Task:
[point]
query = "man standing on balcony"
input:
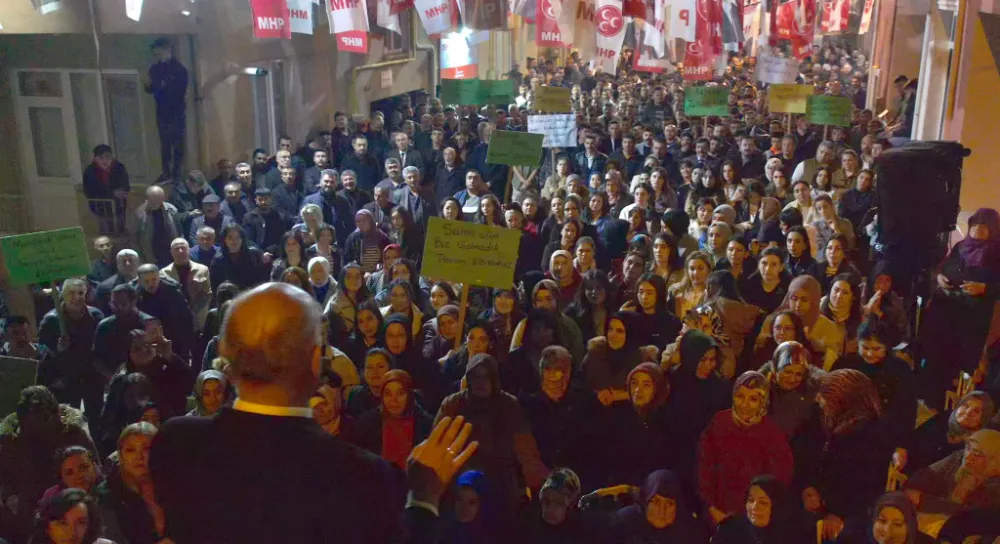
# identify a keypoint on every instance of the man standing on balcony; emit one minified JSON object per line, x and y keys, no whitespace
{"x":106,"y":186}
{"x":168,"y":82}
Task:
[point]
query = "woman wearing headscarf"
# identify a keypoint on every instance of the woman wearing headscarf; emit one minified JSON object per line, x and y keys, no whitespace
{"x":520,"y":374}
{"x":794,"y":382}
{"x":554,"y":517}
{"x":769,"y":515}
{"x":474,"y":517}
{"x":660,"y":516}
{"x":322,"y":283}
{"x":365,"y":245}
{"x":893,"y":521}
{"x":211,"y":393}
{"x":965,"y":480}
{"x":438,"y":335}
{"x":545,"y":296}
{"x":397,"y":425}
{"x":803,"y":299}
{"x":638,"y":438}
{"x":606,"y":366}
{"x":969,"y":282}
{"x":327,"y":404}
{"x":716,"y":241}
{"x":652,"y":323}
{"x":699,"y":392}
{"x":739,"y":444}
{"x":562,"y":272}
{"x":507,"y":452}
{"x":946,"y":432}
{"x":845,"y":459}
{"x":563,"y":417}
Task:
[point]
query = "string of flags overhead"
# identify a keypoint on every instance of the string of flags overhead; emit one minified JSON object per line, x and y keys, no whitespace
{"x":696,"y":33}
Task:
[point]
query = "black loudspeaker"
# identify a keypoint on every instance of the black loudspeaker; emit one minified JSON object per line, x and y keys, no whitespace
{"x":918,"y":187}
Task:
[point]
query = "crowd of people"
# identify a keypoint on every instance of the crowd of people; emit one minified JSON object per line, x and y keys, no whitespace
{"x":702,"y":339}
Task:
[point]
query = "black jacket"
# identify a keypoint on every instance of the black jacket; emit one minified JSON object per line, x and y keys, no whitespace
{"x":325,"y":491}
{"x":366,"y":168}
{"x":264,"y":229}
{"x":117,"y":179}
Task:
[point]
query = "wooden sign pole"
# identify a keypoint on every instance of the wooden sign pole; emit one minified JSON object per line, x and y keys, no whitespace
{"x":462,"y":305}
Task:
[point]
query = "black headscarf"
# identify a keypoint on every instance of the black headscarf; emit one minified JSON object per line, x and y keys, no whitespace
{"x":629,"y":524}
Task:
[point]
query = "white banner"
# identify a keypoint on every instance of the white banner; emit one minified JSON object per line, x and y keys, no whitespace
{"x":866,"y":16}
{"x":610,"y":24}
{"x":656,"y":29}
{"x":565,"y":16}
{"x":300,"y":13}
{"x":385,"y":18}
{"x":682,"y":19}
{"x":559,"y":129}
{"x":585,"y":37}
{"x":347,"y":16}
{"x":771,"y":69}
{"x":435,"y":14}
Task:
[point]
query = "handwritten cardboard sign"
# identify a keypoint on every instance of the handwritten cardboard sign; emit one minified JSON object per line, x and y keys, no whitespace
{"x":706,"y":101}
{"x":552,"y":99}
{"x":783,"y":98}
{"x":40,"y":257}
{"x":515,"y":148}
{"x":829,"y":110}
{"x":559,"y":129}
{"x":469,"y":253}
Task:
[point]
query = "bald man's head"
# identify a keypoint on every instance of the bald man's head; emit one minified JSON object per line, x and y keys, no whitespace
{"x":270,"y":336}
{"x":155,"y":197}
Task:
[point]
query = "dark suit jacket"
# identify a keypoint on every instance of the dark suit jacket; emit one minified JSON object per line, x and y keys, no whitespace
{"x":581,"y":167}
{"x":413,"y":158}
{"x":422,"y":212}
{"x":266,"y":479}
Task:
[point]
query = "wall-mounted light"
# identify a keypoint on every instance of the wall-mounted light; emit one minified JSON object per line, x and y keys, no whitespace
{"x":254,"y":71}
{"x":185,"y":13}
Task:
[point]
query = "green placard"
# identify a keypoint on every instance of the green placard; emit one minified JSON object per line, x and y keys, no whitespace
{"x":702,"y":101}
{"x":463,"y":252}
{"x":829,"y":110}
{"x":515,"y":148}
{"x":41,"y":257}
{"x":476,"y":91}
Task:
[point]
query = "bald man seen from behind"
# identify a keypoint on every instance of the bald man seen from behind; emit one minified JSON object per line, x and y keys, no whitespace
{"x":264,"y":472}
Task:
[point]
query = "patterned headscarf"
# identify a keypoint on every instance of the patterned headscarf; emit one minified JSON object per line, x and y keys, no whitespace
{"x":757,"y":382}
{"x":849,"y":399}
{"x":956,"y":432}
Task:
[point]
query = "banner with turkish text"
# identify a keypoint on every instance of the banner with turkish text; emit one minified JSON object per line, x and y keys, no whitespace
{"x":347,"y":16}
{"x":699,"y":56}
{"x":436,"y":15}
{"x":300,"y":14}
{"x":483,"y":14}
{"x":682,"y":20}
{"x":355,"y":41}
{"x":270,"y":19}
{"x":610,"y":23}
{"x":385,"y":17}
{"x":732,"y":25}
{"x":656,"y":27}
{"x":836,"y":15}
{"x":585,"y":33}
{"x":553,"y":20}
